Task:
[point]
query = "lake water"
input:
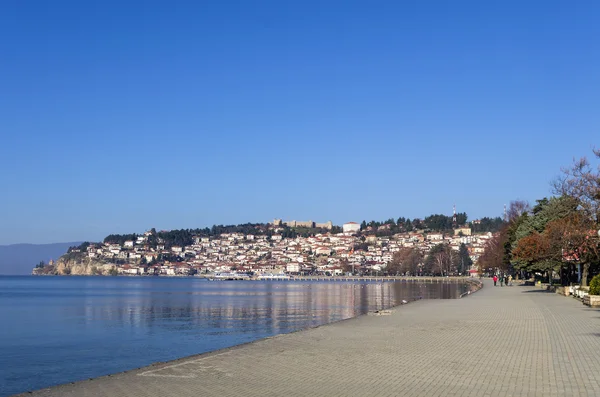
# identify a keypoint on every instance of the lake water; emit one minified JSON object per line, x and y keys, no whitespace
{"x":62,"y":329}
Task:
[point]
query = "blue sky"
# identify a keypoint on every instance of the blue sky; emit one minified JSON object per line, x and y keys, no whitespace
{"x":119,"y":116}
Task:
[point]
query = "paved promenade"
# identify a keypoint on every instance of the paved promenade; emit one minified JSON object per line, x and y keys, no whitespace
{"x":510,"y":341}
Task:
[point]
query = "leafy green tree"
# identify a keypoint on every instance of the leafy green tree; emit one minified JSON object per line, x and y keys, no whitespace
{"x":361,"y":246}
{"x":418,"y":224}
{"x":487,"y":224}
{"x":541,"y":203}
{"x":531,"y":250}
{"x":464,"y":259}
{"x":543,"y":240}
{"x":152,"y":240}
{"x":438,"y":222}
{"x":119,"y":238}
{"x":546,"y":210}
{"x":595,"y":285}
{"x":79,"y":248}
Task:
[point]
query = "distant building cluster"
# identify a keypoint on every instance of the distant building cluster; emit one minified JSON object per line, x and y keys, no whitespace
{"x":272,"y":253}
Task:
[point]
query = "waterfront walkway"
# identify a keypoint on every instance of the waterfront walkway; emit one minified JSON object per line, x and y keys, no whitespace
{"x":509,"y":341}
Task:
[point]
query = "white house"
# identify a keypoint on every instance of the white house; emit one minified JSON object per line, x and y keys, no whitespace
{"x":176,"y":249}
{"x":435,"y":237}
{"x":323,"y":251}
{"x":293,"y":267}
{"x":351,"y":227}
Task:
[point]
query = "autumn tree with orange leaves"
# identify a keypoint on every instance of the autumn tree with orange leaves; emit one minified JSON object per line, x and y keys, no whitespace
{"x":405,"y":261}
{"x":534,"y":249}
{"x":558,"y":233}
{"x":497,"y":255}
{"x":562,"y":232}
{"x":582,"y":233}
{"x":575,"y":240}
{"x":492,"y":260}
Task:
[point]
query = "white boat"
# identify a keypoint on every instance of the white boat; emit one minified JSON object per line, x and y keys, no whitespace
{"x":231,"y":276}
{"x":271,"y":276}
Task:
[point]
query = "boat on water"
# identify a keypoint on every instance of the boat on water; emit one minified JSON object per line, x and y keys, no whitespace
{"x":271,"y":276}
{"x":231,"y":276}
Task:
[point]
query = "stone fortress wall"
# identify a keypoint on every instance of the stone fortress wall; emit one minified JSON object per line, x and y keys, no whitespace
{"x":310,"y":224}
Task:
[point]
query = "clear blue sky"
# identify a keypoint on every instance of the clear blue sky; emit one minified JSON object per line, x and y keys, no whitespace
{"x":119,"y":116}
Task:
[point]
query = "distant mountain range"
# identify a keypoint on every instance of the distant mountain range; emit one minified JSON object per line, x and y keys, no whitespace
{"x":20,"y":259}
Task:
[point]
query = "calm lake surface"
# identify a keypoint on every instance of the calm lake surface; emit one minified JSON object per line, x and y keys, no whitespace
{"x":62,"y":329}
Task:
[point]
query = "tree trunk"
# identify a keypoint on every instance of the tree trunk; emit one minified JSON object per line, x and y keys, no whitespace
{"x":584,"y":274}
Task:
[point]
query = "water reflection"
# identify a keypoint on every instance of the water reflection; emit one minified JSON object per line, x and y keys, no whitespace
{"x":65,"y":329}
{"x":275,"y":307}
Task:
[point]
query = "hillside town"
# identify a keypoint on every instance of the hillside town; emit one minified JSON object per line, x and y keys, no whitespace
{"x":351,"y":251}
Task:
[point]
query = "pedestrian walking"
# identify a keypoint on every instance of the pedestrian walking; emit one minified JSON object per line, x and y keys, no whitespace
{"x":502,"y":281}
{"x":495,"y":278}
{"x":510,"y":280}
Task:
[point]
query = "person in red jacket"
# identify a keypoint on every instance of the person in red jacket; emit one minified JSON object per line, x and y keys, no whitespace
{"x":495,"y":278}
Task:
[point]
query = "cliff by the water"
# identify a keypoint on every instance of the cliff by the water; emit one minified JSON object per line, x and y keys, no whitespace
{"x":77,"y":265}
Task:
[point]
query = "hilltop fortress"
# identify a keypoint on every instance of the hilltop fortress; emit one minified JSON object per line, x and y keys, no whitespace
{"x":310,"y":224}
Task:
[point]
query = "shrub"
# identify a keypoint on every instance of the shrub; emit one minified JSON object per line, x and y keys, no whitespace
{"x":595,"y":285}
